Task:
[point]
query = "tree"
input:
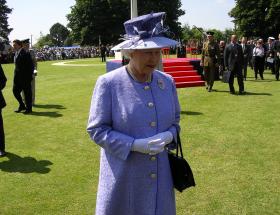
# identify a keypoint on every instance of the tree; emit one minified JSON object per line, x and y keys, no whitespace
{"x":273,"y":18}
{"x":4,"y":27}
{"x":91,"y":19}
{"x":192,"y":33}
{"x":58,"y":34}
{"x":43,"y":41}
{"x":172,"y":9}
{"x":94,"y":19}
{"x":256,"y":18}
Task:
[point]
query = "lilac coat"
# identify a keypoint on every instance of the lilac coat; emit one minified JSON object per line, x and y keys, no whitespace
{"x":132,"y":183}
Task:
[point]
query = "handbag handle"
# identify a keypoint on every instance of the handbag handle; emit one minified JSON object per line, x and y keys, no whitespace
{"x":179,"y":146}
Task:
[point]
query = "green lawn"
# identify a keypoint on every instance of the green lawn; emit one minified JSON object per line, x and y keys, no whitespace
{"x":231,"y":142}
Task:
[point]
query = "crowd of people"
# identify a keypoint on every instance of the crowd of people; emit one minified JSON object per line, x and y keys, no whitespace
{"x":234,"y":58}
{"x":63,"y":53}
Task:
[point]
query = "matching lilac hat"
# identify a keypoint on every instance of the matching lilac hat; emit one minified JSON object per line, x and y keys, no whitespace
{"x":145,"y":32}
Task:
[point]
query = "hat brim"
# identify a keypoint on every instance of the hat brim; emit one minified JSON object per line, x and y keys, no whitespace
{"x":149,"y":43}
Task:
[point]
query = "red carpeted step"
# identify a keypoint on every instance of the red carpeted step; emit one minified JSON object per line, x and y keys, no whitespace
{"x":177,"y":68}
{"x":187,"y":79}
{"x":190,"y":84}
{"x":183,"y":73}
{"x":176,"y":63}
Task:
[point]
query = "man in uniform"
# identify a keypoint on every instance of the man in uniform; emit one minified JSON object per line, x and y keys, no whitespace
{"x":26,"y":44}
{"x":210,"y":60}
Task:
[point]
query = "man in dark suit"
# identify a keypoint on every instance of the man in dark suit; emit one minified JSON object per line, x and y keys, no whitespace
{"x":246,"y":55}
{"x":269,"y":61}
{"x":103,"y":50}
{"x":22,"y":77}
{"x":25,"y":45}
{"x":233,"y":62}
{"x":276,"y":49}
{"x":3,"y":81}
{"x":222,"y":50}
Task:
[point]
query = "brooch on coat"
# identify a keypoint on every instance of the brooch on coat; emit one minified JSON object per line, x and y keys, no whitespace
{"x":160,"y":83}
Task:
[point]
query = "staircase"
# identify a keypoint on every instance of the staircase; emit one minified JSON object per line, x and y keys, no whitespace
{"x":183,"y":72}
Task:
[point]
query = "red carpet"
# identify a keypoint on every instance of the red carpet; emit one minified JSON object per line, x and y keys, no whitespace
{"x":183,"y":72}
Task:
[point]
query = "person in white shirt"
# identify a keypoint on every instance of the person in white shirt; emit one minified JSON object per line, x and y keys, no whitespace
{"x":258,"y":55}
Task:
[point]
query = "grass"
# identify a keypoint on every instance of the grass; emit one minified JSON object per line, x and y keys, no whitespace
{"x":231,"y":142}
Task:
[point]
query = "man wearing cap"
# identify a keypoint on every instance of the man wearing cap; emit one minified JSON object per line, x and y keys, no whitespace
{"x":276,"y":49}
{"x":23,"y":75}
{"x":233,"y":62}
{"x":210,"y":60}
{"x":26,"y":44}
{"x":269,"y":61}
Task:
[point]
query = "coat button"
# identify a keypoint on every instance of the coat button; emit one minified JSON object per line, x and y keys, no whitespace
{"x":150,"y":104}
{"x":146,"y":87}
{"x":153,"y":124}
{"x":153,"y":175}
{"x":153,"y":158}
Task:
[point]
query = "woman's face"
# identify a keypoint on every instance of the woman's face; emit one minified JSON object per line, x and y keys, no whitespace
{"x":145,"y":61}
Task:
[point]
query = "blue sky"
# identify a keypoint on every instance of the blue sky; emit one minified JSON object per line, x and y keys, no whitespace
{"x":30,"y":17}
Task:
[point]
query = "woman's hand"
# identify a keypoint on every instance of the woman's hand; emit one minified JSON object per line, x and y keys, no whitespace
{"x":152,"y":145}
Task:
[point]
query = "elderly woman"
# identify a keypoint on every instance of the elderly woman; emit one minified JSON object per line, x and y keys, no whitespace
{"x":134,"y":115}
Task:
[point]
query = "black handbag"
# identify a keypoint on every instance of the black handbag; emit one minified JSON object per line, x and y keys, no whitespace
{"x":180,"y":169}
{"x":226,"y":76}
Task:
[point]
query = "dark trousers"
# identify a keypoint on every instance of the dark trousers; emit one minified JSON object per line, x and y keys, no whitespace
{"x":238,"y":73}
{"x":271,"y":66}
{"x":277,"y":66}
{"x":103,"y":58}
{"x":258,"y":66}
{"x":27,"y":90}
{"x":209,"y":74}
{"x":2,"y":134}
{"x":244,"y":69}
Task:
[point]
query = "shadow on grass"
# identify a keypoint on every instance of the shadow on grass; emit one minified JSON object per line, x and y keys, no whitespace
{"x":259,"y":80}
{"x":48,"y":114}
{"x":257,"y":94}
{"x":191,"y":113}
{"x":49,"y":106}
{"x":24,"y":165}
{"x":246,"y":94}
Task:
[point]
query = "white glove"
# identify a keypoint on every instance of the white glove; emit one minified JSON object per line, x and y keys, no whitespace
{"x":152,"y":145}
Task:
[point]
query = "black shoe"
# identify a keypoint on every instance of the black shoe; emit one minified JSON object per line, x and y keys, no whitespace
{"x":27,"y":111}
{"x":232,"y":92}
{"x":2,"y":153}
{"x":20,"y":108}
{"x":242,"y":93}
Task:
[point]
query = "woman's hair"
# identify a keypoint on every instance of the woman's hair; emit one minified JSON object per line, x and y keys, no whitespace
{"x":127,"y":52}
